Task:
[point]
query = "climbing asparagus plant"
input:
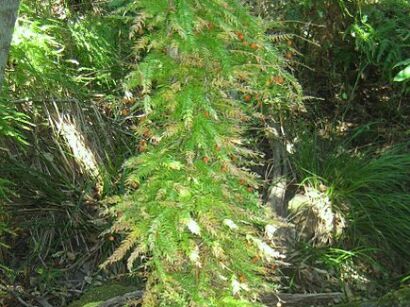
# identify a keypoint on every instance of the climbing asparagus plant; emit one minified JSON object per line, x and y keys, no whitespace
{"x":191,"y":209}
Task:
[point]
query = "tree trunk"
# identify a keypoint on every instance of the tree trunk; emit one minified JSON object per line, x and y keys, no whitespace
{"x":8,"y":15}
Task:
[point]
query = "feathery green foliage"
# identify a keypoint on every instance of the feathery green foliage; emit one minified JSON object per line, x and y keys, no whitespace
{"x":189,"y":208}
{"x":60,"y":58}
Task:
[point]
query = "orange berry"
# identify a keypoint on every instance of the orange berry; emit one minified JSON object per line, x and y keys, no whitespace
{"x":289,"y":55}
{"x":254,"y":46}
{"x":240,"y":36}
{"x":205,"y":159}
{"x":247,"y":98}
{"x":278,"y":80}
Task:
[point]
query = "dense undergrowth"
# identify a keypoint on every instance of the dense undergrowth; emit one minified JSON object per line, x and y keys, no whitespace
{"x":61,"y":146}
{"x":351,"y":147}
{"x":136,"y":139}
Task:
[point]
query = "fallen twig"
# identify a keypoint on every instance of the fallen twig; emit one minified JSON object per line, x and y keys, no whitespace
{"x":314,"y":299}
{"x":120,"y":300}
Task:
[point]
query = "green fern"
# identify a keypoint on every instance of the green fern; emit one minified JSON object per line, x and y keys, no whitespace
{"x":190,"y":209}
